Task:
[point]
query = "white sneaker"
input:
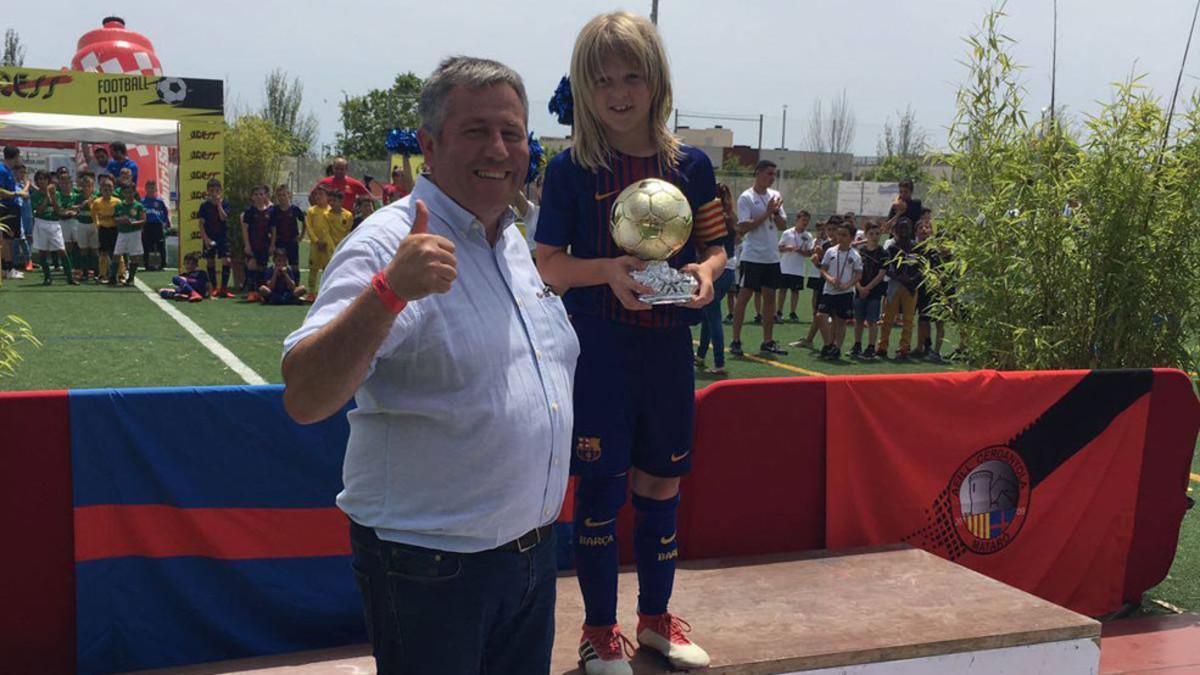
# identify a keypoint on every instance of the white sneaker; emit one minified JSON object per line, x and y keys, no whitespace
{"x":665,"y":633}
{"x":603,"y":651}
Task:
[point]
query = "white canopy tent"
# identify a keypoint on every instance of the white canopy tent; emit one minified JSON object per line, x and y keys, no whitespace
{"x":27,"y":126}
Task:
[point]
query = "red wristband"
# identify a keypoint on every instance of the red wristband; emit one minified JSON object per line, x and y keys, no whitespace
{"x":394,"y":303}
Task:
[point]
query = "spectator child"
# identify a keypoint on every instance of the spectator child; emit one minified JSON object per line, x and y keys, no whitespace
{"x":214,"y":230}
{"x":125,"y":182}
{"x":104,"y":210}
{"x":191,"y":286}
{"x":47,"y":231}
{"x":282,"y":282}
{"x":287,"y":221}
{"x":158,"y":219}
{"x":320,"y":242}
{"x":904,"y":269}
{"x":130,"y":217}
{"x":363,"y":208}
{"x":930,"y":349}
{"x":842,"y":269}
{"x":66,"y":213}
{"x":340,"y":220}
{"x":869,"y":293}
{"x":86,"y":236}
{"x":795,"y":248}
{"x":258,"y":238}
{"x":821,"y":243}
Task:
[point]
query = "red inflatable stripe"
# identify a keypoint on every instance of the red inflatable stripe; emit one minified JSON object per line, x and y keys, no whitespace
{"x":156,"y":531}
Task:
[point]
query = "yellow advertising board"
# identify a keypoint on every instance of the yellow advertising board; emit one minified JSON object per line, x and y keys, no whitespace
{"x":198,"y":106}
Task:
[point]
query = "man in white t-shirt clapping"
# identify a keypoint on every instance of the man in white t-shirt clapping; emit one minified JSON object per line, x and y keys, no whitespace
{"x":760,"y":218}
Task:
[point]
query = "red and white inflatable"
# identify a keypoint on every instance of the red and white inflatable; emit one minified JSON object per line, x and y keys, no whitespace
{"x":113,"y":48}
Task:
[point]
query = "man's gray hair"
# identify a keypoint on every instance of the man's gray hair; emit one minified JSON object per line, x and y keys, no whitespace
{"x":463,"y":71}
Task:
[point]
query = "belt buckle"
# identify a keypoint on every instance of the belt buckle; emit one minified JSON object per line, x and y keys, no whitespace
{"x":536,"y":539}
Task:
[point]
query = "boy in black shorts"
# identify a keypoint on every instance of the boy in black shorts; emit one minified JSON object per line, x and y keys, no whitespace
{"x":842,"y":269}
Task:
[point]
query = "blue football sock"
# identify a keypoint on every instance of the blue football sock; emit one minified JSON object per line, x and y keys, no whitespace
{"x":655,"y":545}
{"x":597,"y":502}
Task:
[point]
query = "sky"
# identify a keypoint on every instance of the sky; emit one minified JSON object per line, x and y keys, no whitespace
{"x":733,"y":58}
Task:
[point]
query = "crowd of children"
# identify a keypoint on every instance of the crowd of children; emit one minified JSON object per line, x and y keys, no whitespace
{"x":864,"y":281}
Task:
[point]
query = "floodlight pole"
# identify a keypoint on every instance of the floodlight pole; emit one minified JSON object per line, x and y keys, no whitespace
{"x":654,"y":12}
{"x":1054,"y":64}
{"x":783,"y":136}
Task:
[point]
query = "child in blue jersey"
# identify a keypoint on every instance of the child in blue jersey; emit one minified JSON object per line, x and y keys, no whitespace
{"x":158,"y":219}
{"x":287,"y":221}
{"x":259,"y":238}
{"x":634,"y":382}
{"x":214,"y":231}
{"x":191,"y":286}
{"x":281,"y":283}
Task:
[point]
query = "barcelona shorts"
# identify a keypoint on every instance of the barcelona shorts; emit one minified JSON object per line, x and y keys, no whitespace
{"x":219,"y":248}
{"x":634,"y":399}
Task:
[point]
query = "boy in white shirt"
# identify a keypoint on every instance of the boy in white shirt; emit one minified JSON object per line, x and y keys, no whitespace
{"x":795,"y":249}
{"x":842,"y":269}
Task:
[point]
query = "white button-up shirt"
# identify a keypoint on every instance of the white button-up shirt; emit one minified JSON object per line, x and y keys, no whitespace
{"x":461,"y":438}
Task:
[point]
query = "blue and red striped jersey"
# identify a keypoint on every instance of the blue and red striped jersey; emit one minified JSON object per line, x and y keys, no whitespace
{"x":575,"y":212}
{"x":286,"y":222}
{"x":258,"y":226}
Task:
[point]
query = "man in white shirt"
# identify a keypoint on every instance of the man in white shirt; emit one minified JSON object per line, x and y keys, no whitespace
{"x":760,"y":218}
{"x":795,"y":249}
{"x":433,"y":317}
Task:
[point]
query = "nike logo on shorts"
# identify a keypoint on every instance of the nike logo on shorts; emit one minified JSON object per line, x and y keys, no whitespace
{"x":588,"y":522}
{"x":665,"y":541}
{"x":679,"y":458}
{"x":606,"y":195}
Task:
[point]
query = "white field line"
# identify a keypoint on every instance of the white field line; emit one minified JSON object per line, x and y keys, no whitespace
{"x":210,"y":343}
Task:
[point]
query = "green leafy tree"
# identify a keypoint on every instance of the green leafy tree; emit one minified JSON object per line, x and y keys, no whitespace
{"x":253,"y":150}
{"x":14,"y":51}
{"x":1067,"y":254}
{"x":366,"y":119}
{"x":903,"y":147}
{"x":283,"y":100}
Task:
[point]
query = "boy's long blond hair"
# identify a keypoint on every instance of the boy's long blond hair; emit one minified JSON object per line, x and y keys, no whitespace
{"x":636,"y":40}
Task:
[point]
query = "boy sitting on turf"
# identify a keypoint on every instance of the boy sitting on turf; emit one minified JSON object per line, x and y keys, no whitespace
{"x":130,"y":217}
{"x":282,"y":286}
{"x":259,"y":238}
{"x":191,"y":286}
{"x":842,"y":269}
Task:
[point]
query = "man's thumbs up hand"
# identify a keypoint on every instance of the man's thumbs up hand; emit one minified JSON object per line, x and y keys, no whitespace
{"x":424,"y":263}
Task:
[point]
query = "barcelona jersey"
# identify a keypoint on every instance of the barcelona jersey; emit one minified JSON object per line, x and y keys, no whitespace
{"x":258,"y":228}
{"x":575,"y":213}
{"x":286,"y":222}
{"x":210,"y":219}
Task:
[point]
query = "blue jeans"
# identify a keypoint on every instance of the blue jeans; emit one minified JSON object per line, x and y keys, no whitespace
{"x":711,"y":329}
{"x":432,"y":611}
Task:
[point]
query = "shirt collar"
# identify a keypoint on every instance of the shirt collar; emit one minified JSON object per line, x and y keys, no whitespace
{"x":449,"y":211}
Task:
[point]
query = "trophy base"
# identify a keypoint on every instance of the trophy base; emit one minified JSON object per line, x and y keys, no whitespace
{"x":671,"y":287}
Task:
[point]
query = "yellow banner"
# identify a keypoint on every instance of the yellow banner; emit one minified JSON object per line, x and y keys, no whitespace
{"x":80,"y":93}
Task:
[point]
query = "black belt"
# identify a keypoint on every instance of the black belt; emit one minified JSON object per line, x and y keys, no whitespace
{"x":528,"y":540}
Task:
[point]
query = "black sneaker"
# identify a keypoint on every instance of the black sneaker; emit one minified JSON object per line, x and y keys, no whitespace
{"x":917,"y":353}
{"x":772,"y":347}
{"x":758,"y":318}
{"x":856,"y":350}
{"x":825,"y":351}
{"x":935,"y":357}
{"x":778,"y":317}
{"x":869,"y":352}
{"x":793,"y":318}
{"x":735,"y":348}
{"x":728,"y":319}
{"x":835,"y":353}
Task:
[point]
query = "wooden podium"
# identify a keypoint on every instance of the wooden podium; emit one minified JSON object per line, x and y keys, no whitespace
{"x":894,"y":610}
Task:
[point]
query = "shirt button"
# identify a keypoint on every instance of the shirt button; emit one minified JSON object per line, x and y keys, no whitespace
{"x":554,"y":407}
{"x":519,"y":303}
{"x":537,"y":354}
{"x":547,"y":512}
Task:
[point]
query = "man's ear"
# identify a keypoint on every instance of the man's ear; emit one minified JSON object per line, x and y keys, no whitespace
{"x":428,"y":146}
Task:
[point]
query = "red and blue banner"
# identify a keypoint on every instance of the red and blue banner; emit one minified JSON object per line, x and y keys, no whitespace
{"x":160,"y":527}
{"x":205,"y":528}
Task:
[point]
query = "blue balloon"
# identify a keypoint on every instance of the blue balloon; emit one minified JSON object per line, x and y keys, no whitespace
{"x":562,"y":104}
{"x":403,"y":141}
{"x":536,"y":153}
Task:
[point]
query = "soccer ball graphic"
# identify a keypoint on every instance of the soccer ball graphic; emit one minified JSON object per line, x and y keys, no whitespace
{"x":651,"y":219}
{"x":172,"y":90}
